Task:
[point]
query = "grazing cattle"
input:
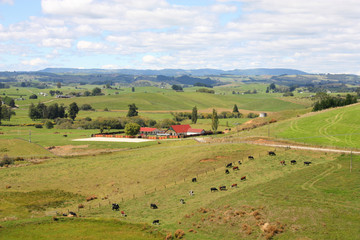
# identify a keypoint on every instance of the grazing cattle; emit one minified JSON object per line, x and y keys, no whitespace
{"x":234,"y":185}
{"x":115,"y":207}
{"x":153,"y":206}
{"x":156,"y":222}
{"x":227,"y":171}
{"x":191,"y":192}
{"x":65,"y":135}
{"x":307,"y":163}
{"x":213,"y":189}
{"x":250,"y":157}
{"x":229,"y":165}
{"x":222,"y":188}
{"x":236,"y":168}
{"x":194,"y":179}
{"x":123,"y":214}
{"x":271,"y":153}
{"x":239,"y":162}
{"x":293,"y":162}
{"x":72,"y":213}
{"x":243,"y":178}
{"x":182,"y":201}
{"x":282,"y":163}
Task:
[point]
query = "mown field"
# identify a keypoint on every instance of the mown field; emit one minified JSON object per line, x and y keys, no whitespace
{"x":339,"y":127}
{"x":296,"y":200}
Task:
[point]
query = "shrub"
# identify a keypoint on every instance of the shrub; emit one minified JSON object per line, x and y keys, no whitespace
{"x":38,"y":126}
{"x":49,"y":124}
{"x":33,"y":96}
{"x":6,"y":160}
{"x":86,"y":107}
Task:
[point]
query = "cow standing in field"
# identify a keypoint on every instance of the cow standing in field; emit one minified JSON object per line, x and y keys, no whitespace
{"x":194,"y":179}
{"x":250,"y":157}
{"x":213,"y":189}
{"x":115,"y":207}
{"x":191,"y":193}
{"x":182,"y":201}
{"x":271,"y":153}
{"x":293,"y":162}
{"x":282,"y":163}
{"x":153,"y":206}
{"x":239,"y":162}
{"x":243,"y":178}
{"x":236,"y":168}
{"x":307,"y":163}
{"x":227,"y":171}
{"x":222,"y":188}
{"x":156,"y":222}
{"x":229,"y":165}
{"x":234,"y":185}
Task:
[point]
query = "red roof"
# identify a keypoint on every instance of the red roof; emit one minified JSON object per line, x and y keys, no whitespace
{"x":180,"y":128}
{"x":195,"y":130}
{"x":147,"y":129}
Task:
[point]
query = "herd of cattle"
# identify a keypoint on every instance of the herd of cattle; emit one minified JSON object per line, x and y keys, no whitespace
{"x":116,"y":206}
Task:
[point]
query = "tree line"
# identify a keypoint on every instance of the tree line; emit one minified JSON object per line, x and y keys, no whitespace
{"x":326,"y":101}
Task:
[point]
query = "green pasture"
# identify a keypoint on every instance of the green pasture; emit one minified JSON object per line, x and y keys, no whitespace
{"x":301,"y":198}
{"x":334,"y":127}
{"x":79,"y":228}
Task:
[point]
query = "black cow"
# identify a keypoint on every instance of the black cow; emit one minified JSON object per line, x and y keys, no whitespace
{"x":227,"y":171}
{"x":153,"y":206}
{"x":156,"y":222}
{"x":115,"y":207}
{"x":229,"y":165}
{"x":250,"y":157}
{"x":307,"y":163}
{"x":293,"y":162}
{"x":222,"y":188}
{"x":72,"y":213}
{"x":213,"y":189}
{"x":271,"y":153}
{"x":194,"y":179}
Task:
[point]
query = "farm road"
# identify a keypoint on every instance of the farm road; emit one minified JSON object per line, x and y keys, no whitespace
{"x":306,"y":148}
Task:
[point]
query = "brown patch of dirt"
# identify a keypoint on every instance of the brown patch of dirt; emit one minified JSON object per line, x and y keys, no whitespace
{"x":78,"y":150}
{"x":208,"y":160}
{"x":219,"y":157}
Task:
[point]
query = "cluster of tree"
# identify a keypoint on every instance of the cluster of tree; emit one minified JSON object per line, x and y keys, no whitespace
{"x":199,"y":84}
{"x":54,"y":111}
{"x":9,"y":101}
{"x":3,"y":85}
{"x":283,"y":89}
{"x":205,"y":90}
{"x":33,"y":96}
{"x":327,"y":101}
{"x":5,"y":111}
{"x":53,"y":92}
{"x":86,"y":107}
{"x":177,"y":87}
{"x":180,"y":116}
{"x":250,"y":92}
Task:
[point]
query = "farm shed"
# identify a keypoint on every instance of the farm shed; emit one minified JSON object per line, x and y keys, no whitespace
{"x":149,"y":131}
{"x":192,"y":131}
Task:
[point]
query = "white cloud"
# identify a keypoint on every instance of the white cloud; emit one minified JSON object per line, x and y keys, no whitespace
{"x":91,"y":46}
{"x":55,"y":42}
{"x":35,"y":62}
{"x":7,"y":1}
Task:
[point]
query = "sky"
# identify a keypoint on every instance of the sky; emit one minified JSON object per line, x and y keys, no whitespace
{"x":316,"y":36}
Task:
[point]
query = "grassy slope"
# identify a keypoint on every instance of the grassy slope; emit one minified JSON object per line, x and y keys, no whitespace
{"x":339,"y":127}
{"x":289,"y":194}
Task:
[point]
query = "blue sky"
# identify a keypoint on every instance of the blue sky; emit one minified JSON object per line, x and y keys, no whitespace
{"x":315,"y":36}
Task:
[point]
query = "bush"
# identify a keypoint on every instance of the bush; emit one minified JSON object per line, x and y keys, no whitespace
{"x":86,"y":107}
{"x":131,"y":129}
{"x":49,"y":124}
{"x":38,"y":126}
{"x":6,"y":160}
{"x":33,"y":96}
{"x":252,"y":115}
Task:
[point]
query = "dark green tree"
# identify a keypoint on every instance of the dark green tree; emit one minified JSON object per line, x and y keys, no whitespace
{"x":58,"y":85}
{"x":133,"y":89}
{"x":5,"y":112}
{"x":73,"y":110}
{"x":131,"y":129}
{"x":96,"y":91}
{"x":176,"y":87}
{"x":132,"y":110}
{"x":194,"y":115}
{"x":272,"y":86}
{"x":215,"y":121}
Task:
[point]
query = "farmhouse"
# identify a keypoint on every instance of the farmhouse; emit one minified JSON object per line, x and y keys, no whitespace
{"x":184,"y":130}
{"x":149,"y":131}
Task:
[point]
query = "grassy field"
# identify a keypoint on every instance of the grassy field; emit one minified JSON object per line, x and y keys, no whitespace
{"x":339,"y":127}
{"x":296,"y":200}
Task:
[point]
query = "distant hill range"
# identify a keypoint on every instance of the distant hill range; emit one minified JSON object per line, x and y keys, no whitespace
{"x":178,"y":72}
